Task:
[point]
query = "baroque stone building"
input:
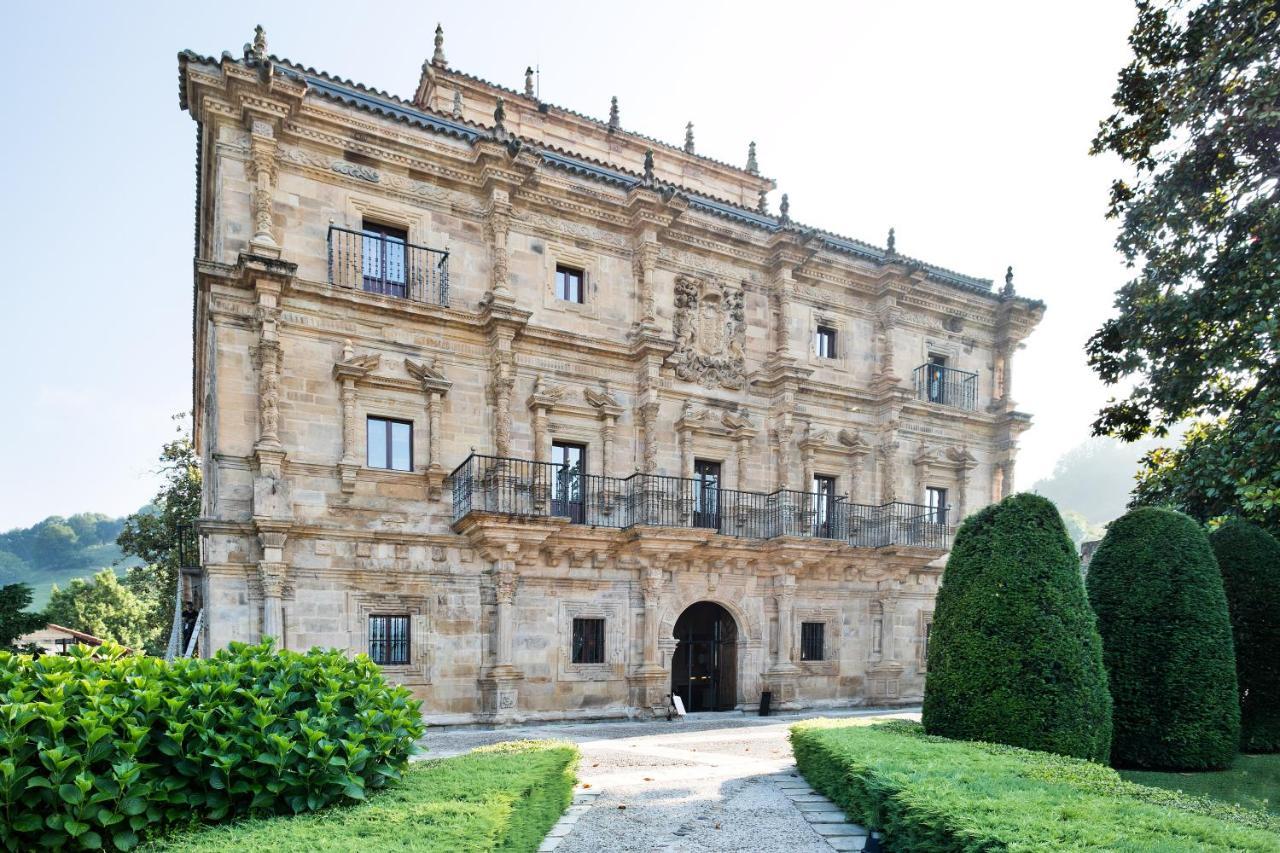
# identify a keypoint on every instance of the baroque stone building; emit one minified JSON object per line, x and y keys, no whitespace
{"x":553,"y":419}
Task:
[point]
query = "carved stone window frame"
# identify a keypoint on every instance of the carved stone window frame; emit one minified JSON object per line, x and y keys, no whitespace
{"x":361,"y":605}
{"x":359,"y":207}
{"x":844,"y":338}
{"x":832,"y":639}
{"x":616,"y":616}
{"x":556,"y":254}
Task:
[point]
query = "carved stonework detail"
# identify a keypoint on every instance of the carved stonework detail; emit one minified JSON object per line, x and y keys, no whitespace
{"x":710,"y":331}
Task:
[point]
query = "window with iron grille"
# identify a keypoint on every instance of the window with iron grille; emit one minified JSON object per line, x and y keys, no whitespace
{"x":824,"y":342}
{"x":588,"y":641}
{"x":811,"y":637}
{"x":569,"y":283}
{"x":389,"y":640}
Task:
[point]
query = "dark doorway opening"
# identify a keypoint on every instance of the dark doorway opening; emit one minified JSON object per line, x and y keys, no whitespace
{"x":704,"y":668}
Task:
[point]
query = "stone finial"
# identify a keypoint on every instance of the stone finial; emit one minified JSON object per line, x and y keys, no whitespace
{"x":259,"y":41}
{"x":437,"y":58}
{"x":457,"y":103}
{"x":891,"y":247}
{"x":614,"y":124}
{"x":528,"y":81}
{"x":784,"y":210}
{"x":688,"y":137}
{"x":648,"y":167}
{"x":762,"y":204}
{"x":751,"y":159}
{"x":348,"y":351}
{"x":1008,"y":283}
{"x":499,"y":119}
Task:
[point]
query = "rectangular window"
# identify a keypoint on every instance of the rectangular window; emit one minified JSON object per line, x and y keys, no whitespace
{"x":588,"y":641}
{"x":937,"y":376}
{"x":824,"y":488}
{"x":935,"y":501}
{"x":570,"y":461}
{"x":390,"y":444}
{"x":569,"y":283}
{"x":384,"y":258}
{"x":706,"y":494}
{"x":389,"y":640}
{"x":811,"y":637}
{"x":824,"y":342}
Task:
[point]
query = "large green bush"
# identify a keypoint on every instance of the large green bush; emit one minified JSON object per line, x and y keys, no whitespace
{"x":1166,"y":642}
{"x":1249,"y":558}
{"x":930,"y":794}
{"x":98,"y":749}
{"x":1014,"y":654}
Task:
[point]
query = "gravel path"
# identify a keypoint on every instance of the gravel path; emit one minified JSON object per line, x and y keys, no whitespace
{"x":709,"y":782}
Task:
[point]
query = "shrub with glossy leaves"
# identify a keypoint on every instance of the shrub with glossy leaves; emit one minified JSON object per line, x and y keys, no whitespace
{"x":1014,"y":653}
{"x":1166,"y":642}
{"x":97,"y":748}
{"x":1249,"y":558}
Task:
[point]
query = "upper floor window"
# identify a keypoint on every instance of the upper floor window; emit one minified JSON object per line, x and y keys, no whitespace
{"x":390,"y":444}
{"x":389,"y":640}
{"x":825,"y":489}
{"x":383,"y":250}
{"x":935,"y":501}
{"x":588,"y":641}
{"x":569,"y":283}
{"x":570,"y":461}
{"x":824,"y":342}
{"x":812,"y":635}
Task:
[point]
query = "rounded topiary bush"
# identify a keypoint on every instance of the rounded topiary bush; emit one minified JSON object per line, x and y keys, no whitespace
{"x":1014,"y":654}
{"x":1166,"y":642}
{"x":100,"y":748}
{"x":1249,"y":558}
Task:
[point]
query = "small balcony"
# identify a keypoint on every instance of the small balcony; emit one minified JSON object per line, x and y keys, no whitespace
{"x":382,"y":263}
{"x":946,"y":386}
{"x":522,"y":488}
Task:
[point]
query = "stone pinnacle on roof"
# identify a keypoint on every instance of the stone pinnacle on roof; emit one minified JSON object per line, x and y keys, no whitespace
{"x":784,"y":210}
{"x":648,"y":168}
{"x":499,"y":119}
{"x":528,"y":81}
{"x":457,"y":103}
{"x":614,"y":124}
{"x":891,"y":247}
{"x":751,"y":159}
{"x":437,"y":58}
{"x":258,"y":49}
{"x":688,"y":137}
{"x":1008,"y":283}
{"x":762,"y":205}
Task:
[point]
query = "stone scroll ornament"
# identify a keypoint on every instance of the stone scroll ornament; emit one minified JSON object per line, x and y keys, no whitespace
{"x":710,"y":330}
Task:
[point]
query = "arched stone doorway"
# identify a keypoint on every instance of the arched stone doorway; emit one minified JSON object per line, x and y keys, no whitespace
{"x":704,"y":667}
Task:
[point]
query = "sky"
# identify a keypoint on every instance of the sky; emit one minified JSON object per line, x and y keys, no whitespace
{"x":964,"y":126}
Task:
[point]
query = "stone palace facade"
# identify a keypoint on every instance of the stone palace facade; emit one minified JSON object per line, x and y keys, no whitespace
{"x":553,"y":420}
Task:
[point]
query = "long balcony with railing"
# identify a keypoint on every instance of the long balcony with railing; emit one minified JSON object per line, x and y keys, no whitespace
{"x":946,"y":386}
{"x":527,"y":489}
{"x":383,"y":262}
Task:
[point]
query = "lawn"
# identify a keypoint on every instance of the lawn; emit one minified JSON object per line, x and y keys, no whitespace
{"x":504,"y":797}
{"x":1252,"y":782}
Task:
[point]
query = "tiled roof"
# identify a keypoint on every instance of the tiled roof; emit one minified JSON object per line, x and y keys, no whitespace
{"x":381,"y":103}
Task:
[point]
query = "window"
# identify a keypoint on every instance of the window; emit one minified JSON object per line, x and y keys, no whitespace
{"x":569,"y":283}
{"x":384,"y":258}
{"x":389,"y":640}
{"x":824,"y":342}
{"x":588,"y":641}
{"x":825,"y":489}
{"x":706,"y":494}
{"x":390,"y":444}
{"x":935,"y":501}
{"x":811,"y":637}
{"x":937,"y":378}
{"x":570,"y":461}
{"x":63,"y":644}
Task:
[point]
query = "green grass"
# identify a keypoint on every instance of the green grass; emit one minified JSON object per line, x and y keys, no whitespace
{"x":1252,"y":782}
{"x":504,"y":797}
{"x":933,"y":794}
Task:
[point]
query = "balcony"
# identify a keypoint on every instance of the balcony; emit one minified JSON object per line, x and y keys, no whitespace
{"x":384,"y":264}
{"x":946,"y":386}
{"x":522,"y":488}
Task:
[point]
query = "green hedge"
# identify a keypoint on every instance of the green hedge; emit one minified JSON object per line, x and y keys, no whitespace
{"x":933,"y":794}
{"x":100,"y":748}
{"x":1166,"y":642}
{"x":1014,"y":653}
{"x":1249,"y":558}
{"x":502,"y":797}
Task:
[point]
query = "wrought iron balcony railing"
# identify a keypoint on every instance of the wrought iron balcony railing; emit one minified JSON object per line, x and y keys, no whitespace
{"x":946,"y":386}
{"x":378,"y":263}
{"x":524,"y":488}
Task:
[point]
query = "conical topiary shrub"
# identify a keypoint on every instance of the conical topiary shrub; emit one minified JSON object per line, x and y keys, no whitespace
{"x":1014,"y":652}
{"x":1166,"y":641}
{"x":1249,"y":558}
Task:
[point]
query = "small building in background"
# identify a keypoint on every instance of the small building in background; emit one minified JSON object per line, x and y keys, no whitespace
{"x":57,"y":639}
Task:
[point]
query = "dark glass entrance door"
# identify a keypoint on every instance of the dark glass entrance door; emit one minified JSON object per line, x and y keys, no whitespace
{"x":704,"y":667}
{"x":706,"y":497}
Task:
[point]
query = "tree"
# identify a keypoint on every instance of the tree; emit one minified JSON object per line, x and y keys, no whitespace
{"x":1197,"y":329}
{"x":14,"y":620}
{"x":1249,"y":558}
{"x":1014,"y":654}
{"x":150,"y":534}
{"x":1166,"y":642}
{"x":104,"y":607}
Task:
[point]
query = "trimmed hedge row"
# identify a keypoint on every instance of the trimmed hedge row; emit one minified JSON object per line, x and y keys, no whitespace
{"x":501,"y":797}
{"x":931,"y":794}
{"x":1166,"y":642}
{"x":98,"y":748}
{"x":1249,"y":558}
{"x":1014,"y":654}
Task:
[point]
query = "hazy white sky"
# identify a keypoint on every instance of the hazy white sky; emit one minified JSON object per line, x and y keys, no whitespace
{"x":964,"y":125}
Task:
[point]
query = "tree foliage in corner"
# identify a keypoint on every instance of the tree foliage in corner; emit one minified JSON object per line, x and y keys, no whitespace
{"x":1014,"y":652}
{"x":1198,"y":120}
{"x":150,"y":535}
{"x":14,"y":618}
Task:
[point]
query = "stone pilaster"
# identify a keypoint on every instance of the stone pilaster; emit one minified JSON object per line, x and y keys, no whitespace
{"x":608,"y":409}
{"x":435,"y":386}
{"x":651,"y":682}
{"x":347,"y":372}
{"x":262,"y":177}
{"x":781,"y":677}
{"x":885,"y":673}
{"x":272,"y":577}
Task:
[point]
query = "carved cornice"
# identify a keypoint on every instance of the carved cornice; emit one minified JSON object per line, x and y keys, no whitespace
{"x":426,"y":372}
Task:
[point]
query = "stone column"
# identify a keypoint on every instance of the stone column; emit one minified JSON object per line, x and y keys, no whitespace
{"x":783,"y":434}
{"x":784,"y":291}
{"x":606,"y":445}
{"x":784,"y":597}
{"x":272,"y":571}
{"x":888,"y":609}
{"x":504,"y":581}
{"x":498,"y":226}
{"x":888,"y":471}
{"x":541,"y":437}
{"x":347,"y":372}
{"x":742,"y":444}
{"x":262,"y":177}
{"x":649,"y":425}
{"x":686,"y":451}
{"x":644,"y":263}
{"x":651,"y":587}
{"x":503,"y":382}
{"x":435,"y":408}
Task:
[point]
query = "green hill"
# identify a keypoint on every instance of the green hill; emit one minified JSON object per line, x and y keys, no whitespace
{"x":58,"y":549}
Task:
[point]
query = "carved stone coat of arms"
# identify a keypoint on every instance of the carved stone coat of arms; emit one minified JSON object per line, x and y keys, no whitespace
{"x":710,"y":330}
